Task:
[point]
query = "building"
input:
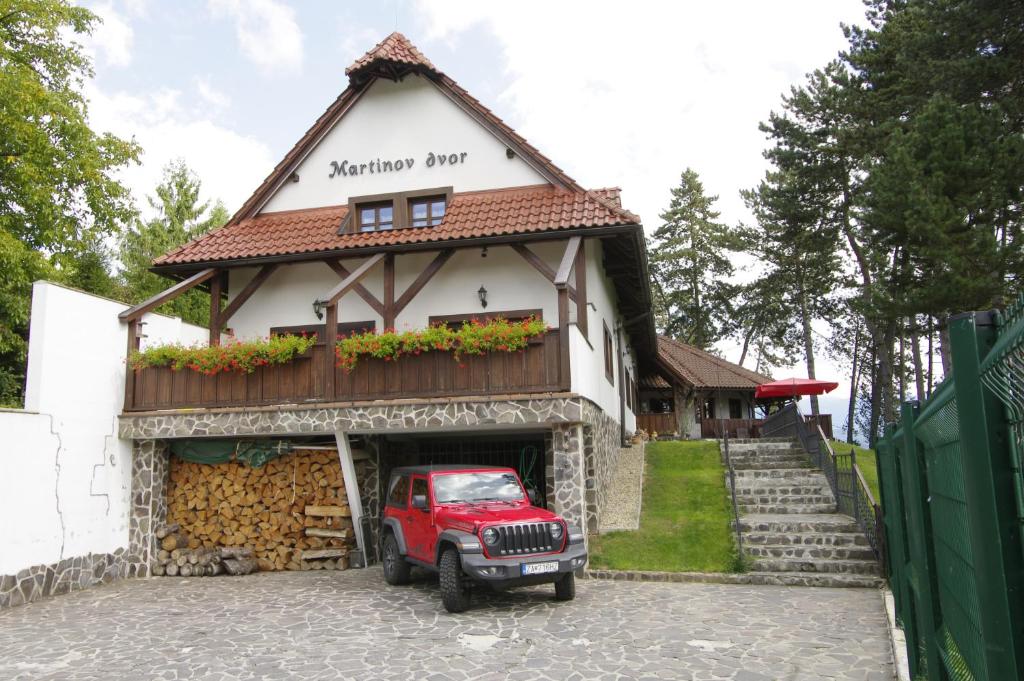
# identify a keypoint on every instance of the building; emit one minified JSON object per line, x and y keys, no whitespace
{"x":409,"y":204}
{"x":694,"y":394}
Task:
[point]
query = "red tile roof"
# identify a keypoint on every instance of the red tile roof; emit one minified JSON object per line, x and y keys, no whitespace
{"x":395,"y":48}
{"x":520,"y":210}
{"x":701,"y":369}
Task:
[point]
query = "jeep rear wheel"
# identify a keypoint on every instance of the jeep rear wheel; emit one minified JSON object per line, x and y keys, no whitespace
{"x":565,"y":588}
{"x":454,"y":585}
{"x":396,"y":570}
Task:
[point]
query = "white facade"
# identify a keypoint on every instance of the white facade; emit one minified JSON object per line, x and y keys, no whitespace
{"x":65,"y":476}
{"x":398,"y":122}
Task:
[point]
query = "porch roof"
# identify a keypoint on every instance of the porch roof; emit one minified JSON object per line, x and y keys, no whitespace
{"x":702,"y":370}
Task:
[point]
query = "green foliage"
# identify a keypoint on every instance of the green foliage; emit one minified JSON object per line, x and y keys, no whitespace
{"x":691,"y":266}
{"x":57,"y":190}
{"x":180,"y":218}
{"x":20,"y":266}
{"x":472,"y":338}
{"x":685,"y":524}
{"x":237,"y":356}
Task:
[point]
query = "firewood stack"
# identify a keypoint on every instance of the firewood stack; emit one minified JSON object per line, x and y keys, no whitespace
{"x":176,"y":559}
{"x":291,"y":513}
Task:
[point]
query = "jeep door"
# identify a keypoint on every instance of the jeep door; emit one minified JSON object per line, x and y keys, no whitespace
{"x":419,"y":525}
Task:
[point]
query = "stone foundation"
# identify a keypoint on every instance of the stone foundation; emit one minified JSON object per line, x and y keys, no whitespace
{"x":602,"y":440}
{"x":150,"y":467}
{"x":70,"y":574}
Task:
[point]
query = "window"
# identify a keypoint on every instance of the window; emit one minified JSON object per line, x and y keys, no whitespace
{"x":735,"y":408}
{"x":452,"y":488}
{"x":709,"y":408}
{"x":376,"y":216}
{"x":427,"y":212}
{"x":344,"y":329}
{"x":399,"y":493}
{"x":609,"y":356}
{"x":419,"y":486}
{"x":454,"y":321}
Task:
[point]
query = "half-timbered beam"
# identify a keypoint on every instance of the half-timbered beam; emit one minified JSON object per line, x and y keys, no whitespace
{"x":358,"y":289}
{"x":538,"y":264}
{"x":173,"y":292}
{"x":389,"y":292}
{"x":580,"y":268}
{"x":425,"y":276}
{"x":216,"y":287}
{"x":246,"y":293}
{"x":350,"y":282}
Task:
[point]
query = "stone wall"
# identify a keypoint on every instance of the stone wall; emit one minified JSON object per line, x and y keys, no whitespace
{"x":569,"y":473}
{"x":150,"y":466}
{"x":70,"y":574}
{"x":602,"y":440}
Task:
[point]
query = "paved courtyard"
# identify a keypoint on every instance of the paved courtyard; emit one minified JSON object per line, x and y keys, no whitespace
{"x":349,"y":625}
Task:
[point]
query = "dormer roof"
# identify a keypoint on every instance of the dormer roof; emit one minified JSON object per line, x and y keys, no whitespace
{"x":391,"y":58}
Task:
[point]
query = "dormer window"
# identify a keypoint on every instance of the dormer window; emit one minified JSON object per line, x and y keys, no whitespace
{"x":381,"y":212}
{"x":374,"y":217}
{"x":427,"y":212}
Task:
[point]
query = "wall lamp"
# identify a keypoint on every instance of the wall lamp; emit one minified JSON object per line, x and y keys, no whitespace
{"x":482,"y":294}
{"x":318,"y":308}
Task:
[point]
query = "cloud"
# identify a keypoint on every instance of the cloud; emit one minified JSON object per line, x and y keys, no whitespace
{"x":212,"y":96}
{"x":112,"y":39}
{"x":267,"y":32}
{"x":230,"y":165}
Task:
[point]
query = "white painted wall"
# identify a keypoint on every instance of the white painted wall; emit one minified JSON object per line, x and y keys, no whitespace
{"x":65,"y":477}
{"x":402,"y":120}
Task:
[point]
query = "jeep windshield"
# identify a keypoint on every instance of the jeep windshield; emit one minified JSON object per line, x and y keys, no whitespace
{"x":453,"y":488}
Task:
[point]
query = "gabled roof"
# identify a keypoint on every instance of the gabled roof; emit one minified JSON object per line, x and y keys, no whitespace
{"x":478,"y":214}
{"x":393,"y":58}
{"x":700,"y":369}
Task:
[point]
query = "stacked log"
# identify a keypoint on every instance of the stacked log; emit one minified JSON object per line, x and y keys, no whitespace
{"x":276,"y":510}
{"x":201,"y":562}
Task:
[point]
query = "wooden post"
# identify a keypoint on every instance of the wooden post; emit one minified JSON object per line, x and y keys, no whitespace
{"x":330,"y":336}
{"x":565,"y":378}
{"x":216,"y":285}
{"x":389,"y":292}
{"x":129,"y":372}
{"x":580,"y":267}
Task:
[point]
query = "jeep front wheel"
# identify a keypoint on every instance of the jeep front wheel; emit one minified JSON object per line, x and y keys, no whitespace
{"x":565,"y":588}
{"x":396,"y":570}
{"x":454,"y":585}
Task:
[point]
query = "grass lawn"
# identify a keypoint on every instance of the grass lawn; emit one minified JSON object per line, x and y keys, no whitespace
{"x":865,"y":461}
{"x":686,"y":516}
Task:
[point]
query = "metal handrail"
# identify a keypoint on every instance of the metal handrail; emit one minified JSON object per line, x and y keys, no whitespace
{"x":732,"y":487}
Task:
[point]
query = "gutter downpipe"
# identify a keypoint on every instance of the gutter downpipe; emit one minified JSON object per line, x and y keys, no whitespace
{"x":622,"y":384}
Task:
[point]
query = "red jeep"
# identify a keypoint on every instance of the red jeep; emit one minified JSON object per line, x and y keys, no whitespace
{"x":475,"y":524}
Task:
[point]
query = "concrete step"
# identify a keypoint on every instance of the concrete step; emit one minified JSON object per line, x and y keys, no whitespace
{"x":769,"y":465}
{"x":757,"y":440}
{"x":763,"y":446}
{"x":778,"y":473}
{"x":821,"y":579}
{"x":788,"y":509}
{"x":812,"y":553}
{"x":857,"y":567}
{"x":793,"y":486}
{"x":784,"y":499}
{"x":821,"y":523}
{"x":804,"y":539}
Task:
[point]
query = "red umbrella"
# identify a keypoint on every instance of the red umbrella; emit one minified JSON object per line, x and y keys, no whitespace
{"x":791,"y":387}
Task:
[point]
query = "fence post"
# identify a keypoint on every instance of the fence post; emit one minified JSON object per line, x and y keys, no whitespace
{"x":988,"y":486}
{"x":922,"y":554}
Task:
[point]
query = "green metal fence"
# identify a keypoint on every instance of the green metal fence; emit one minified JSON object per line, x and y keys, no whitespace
{"x":953,"y":508}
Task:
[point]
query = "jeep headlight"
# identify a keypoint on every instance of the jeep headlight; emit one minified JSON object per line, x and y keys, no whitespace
{"x":490,"y":536}
{"x":556,"y":531}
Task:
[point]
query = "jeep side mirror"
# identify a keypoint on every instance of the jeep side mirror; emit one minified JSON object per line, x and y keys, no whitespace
{"x":419,"y":501}
{"x":534,"y":497}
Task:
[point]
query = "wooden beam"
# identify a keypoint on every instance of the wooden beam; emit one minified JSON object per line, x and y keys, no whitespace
{"x":349,"y":282}
{"x":425,"y":276}
{"x":582,"y":313}
{"x":173,"y":292}
{"x":246,"y":292}
{"x":564,"y":375}
{"x":129,"y":372}
{"x":538,"y":264}
{"x":568,"y":258}
{"x":389,"y":292}
{"x":330,"y":337}
{"x":359,"y":289}
{"x":216,"y":285}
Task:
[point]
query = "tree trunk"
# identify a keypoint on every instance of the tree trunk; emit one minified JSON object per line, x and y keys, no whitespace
{"x":901,"y":366}
{"x":931,"y":356}
{"x":876,"y":410}
{"x":853,"y":389}
{"x":746,"y":343}
{"x":944,"y":350}
{"x":915,"y":348}
{"x":885,"y":373}
{"x":808,"y":347}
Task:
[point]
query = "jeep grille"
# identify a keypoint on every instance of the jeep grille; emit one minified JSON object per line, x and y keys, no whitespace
{"x":518,"y":540}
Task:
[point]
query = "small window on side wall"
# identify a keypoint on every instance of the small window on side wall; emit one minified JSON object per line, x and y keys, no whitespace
{"x":427,"y":211}
{"x":374,"y":217}
{"x":609,"y":356}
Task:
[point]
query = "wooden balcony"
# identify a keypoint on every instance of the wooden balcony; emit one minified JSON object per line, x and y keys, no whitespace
{"x":303,"y":380}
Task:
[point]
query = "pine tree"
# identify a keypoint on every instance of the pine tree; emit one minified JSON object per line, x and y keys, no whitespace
{"x":180,"y":218}
{"x":691,"y":266}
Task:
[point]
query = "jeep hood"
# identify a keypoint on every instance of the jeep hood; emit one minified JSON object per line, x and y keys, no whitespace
{"x":470,"y":515}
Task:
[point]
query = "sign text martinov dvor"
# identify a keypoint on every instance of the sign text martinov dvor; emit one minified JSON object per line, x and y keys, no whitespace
{"x":376,"y":166}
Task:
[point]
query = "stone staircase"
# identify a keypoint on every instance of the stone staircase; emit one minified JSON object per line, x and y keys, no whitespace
{"x":791,"y":531}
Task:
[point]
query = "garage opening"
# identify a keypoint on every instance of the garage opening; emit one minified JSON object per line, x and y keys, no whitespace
{"x":525,"y":452}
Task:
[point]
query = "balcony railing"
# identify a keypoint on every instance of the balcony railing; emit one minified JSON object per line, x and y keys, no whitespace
{"x":303,"y":380}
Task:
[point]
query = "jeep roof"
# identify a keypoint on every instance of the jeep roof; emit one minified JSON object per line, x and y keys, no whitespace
{"x":445,"y":468}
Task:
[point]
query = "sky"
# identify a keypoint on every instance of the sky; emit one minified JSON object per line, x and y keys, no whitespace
{"x":624,"y":94}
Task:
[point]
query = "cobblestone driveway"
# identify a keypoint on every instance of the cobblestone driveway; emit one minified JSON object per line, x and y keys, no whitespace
{"x":320,"y":625}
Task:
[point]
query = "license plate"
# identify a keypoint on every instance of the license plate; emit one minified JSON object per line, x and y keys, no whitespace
{"x":539,"y":568}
